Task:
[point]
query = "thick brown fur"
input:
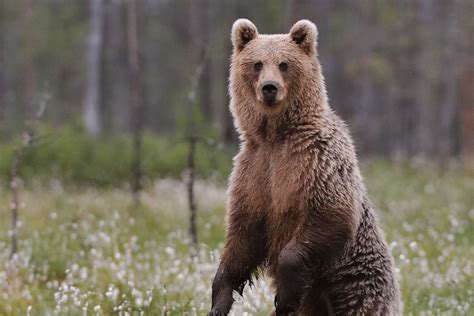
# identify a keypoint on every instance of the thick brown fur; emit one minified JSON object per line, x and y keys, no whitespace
{"x":297,"y":204}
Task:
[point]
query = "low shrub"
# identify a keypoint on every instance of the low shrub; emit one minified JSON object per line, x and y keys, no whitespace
{"x":72,"y":155}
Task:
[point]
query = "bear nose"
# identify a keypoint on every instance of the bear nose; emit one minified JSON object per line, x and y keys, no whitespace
{"x":269,"y":90}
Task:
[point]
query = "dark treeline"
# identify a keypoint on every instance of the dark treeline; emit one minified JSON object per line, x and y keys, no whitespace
{"x":401,"y":73}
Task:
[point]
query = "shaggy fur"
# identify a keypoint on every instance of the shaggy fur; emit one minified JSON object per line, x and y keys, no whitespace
{"x":297,"y":204}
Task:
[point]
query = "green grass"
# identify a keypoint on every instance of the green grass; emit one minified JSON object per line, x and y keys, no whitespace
{"x":85,"y":249}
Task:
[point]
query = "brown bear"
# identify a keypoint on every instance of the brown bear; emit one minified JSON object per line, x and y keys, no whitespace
{"x":297,"y":204}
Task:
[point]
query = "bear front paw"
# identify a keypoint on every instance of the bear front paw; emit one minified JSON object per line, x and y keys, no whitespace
{"x":283,"y":309}
{"x":288,"y":311}
{"x":215,"y":312}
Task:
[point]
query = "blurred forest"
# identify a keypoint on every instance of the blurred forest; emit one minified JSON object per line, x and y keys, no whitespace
{"x":401,"y":73}
{"x":102,"y":97}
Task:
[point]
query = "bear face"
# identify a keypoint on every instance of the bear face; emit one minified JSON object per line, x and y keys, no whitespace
{"x":275,"y":80}
{"x":271,"y":70}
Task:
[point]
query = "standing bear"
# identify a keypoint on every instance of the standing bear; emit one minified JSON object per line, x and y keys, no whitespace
{"x":297,"y":207}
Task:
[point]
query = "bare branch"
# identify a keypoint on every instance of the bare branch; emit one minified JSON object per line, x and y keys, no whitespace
{"x":29,"y":138}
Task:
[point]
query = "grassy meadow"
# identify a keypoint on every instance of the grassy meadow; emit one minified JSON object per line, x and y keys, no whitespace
{"x":87,"y":251}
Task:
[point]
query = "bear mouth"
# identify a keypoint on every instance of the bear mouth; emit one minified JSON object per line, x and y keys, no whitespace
{"x":270,"y":103}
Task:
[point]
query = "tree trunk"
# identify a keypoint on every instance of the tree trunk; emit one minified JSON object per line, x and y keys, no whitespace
{"x":192,"y":137}
{"x":136,"y":100}
{"x":116,"y":90}
{"x":467,"y":86}
{"x":363,"y":93}
{"x":449,"y":131}
{"x":290,"y":12}
{"x":424,"y":87}
{"x":199,"y":33}
{"x":191,"y":198}
{"x":92,"y":120}
{"x":3,"y":75}
{"x":14,"y":205}
{"x":30,"y":82}
{"x":28,"y":138}
{"x":228,"y":132}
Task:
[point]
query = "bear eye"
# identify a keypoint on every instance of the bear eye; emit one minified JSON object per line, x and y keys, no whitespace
{"x":283,"y":66}
{"x":258,"y":66}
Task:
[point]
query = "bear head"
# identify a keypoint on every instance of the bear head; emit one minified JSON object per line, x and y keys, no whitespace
{"x":272,"y":69}
{"x":274,"y":79}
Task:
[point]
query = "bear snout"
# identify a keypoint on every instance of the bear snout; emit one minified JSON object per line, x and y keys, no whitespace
{"x":269,"y":91}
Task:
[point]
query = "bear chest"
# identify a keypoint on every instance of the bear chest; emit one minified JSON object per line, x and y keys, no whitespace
{"x":287,"y":175}
{"x":273,"y":181}
{"x":290,"y":178}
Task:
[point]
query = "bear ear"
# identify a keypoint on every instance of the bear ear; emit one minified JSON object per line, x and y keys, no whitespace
{"x":305,"y":34}
{"x":243,"y":31}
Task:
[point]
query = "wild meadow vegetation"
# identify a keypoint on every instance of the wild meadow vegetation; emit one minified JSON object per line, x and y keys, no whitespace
{"x":107,"y":74}
{"x":87,"y":250}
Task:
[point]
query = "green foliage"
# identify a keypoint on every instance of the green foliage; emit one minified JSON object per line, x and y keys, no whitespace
{"x":74,"y":156}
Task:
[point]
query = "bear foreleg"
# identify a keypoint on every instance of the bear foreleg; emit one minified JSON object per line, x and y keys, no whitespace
{"x":322,"y":236}
{"x":244,"y":252}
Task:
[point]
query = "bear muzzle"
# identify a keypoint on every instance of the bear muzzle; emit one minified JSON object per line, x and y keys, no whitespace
{"x":270,"y":92}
